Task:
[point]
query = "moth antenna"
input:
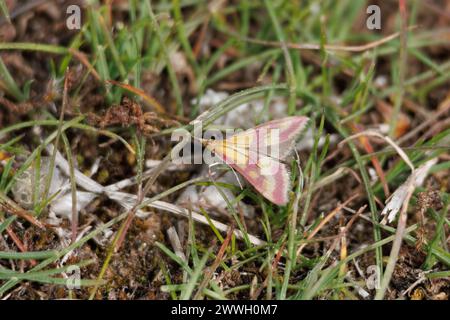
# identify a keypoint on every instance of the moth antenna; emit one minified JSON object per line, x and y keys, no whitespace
{"x":235,"y":174}
{"x":237,"y":178}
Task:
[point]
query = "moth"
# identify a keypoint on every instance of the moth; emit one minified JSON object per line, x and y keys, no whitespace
{"x":258,"y":154}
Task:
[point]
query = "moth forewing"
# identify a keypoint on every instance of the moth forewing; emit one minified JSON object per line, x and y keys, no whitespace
{"x":257,"y":155}
{"x":289,"y":129}
{"x":273,"y":186}
{"x":268,"y":166}
{"x":248,"y":146}
{"x":239,"y":149}
{"x":272,"y":144}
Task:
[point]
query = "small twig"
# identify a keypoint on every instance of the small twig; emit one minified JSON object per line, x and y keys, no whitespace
{"x":343,"y":236}
{"x":272,"y":270}
{"x":175,"y":242}
{"x":74,"y":220}
{"x":215,"y":264}
{"x":22,"y":247}
{"x":325,"y":221}
{"x":402,"y":65}
{"x":443,"y":108}
{"x":201,"y":37}
{"x":421,"y":279}
{"x":331,"y":47}
{"x":11,"y":207}
{"x":59,"y":132}
{"x":436,"y":9}
{"x":141,"y":93}
{"x":81,"y":56}
{"x":375,"y":162}
{"x":393,"y":256}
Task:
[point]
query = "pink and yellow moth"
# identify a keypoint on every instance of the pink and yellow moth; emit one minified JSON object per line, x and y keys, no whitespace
{"x":257,"y":154}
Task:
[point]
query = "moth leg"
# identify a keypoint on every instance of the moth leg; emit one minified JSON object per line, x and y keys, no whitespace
{"x":210,"y":166}
{"x":210,"y":173}
{"x":237,"y":178}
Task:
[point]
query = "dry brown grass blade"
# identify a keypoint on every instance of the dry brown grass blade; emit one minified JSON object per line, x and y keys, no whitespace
{"x":443,"y":108}
{"x":149,"y":99}
{"x":325,"y":221}
{"x":343,"y":234}
{"x":373,"y":133}
{"x":22,"y":247}
{"x":10,"y":206}
{"x":376,"y":164}
{"x":201,"y":38}
{"x":331,"y":47}
{"x":273,"y":268}
{"x":213,"y":267}
{"x":85,"y":61}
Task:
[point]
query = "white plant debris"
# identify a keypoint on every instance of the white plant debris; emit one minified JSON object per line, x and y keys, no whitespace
{"x":395,"y":202}
{"x":176,"y":243}
{"x":151,"y":164}
{"x":373,"y":174}
{"x":381,"y":81}
{"x":210,"y":199}
{"x":128,"y":201}
{"x":361,"y":291}
{"x":63,"y":205}
{"x":416,"y":179}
